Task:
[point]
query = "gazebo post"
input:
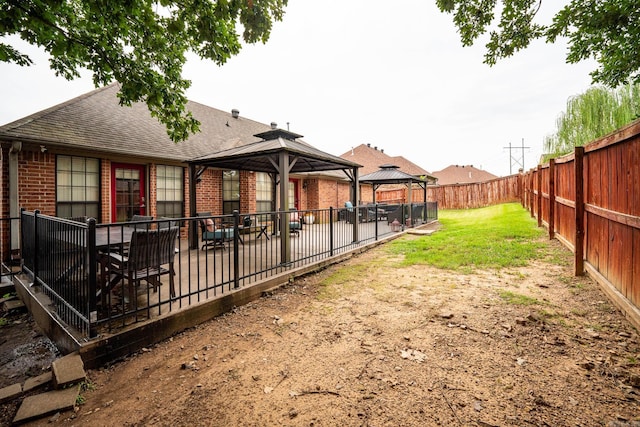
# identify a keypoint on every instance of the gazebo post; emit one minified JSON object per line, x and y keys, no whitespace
{"x":285,"y":237}
{"x":356,"y":199}
{"x":410,"y":201}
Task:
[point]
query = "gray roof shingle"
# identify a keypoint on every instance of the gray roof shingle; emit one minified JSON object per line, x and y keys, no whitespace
{"x":95,"y":121}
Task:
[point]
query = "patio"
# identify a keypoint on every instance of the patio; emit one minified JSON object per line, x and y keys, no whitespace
{"x":63,"y":279}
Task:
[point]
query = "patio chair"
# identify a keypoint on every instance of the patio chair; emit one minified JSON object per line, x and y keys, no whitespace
{"x":149,"y":252}
{"x":295,"y":222}
{"x":140,"y":218}
{"x":212,"y":236}
{"x":417,"y":214}
{"x":350,"y":212}
{"x":164,"y":222}
{"x":395,"y":213}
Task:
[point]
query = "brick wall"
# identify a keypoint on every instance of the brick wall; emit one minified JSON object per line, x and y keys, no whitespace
{"x":4,"y":203}
{"x":37,"y":181}
{"x":209,"y":192}
{"x":247,"y":191}
{"x":105,"y":191}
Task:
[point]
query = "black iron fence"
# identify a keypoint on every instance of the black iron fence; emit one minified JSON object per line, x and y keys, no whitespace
{"x":9,"y":247}
{"x":106,"y":276}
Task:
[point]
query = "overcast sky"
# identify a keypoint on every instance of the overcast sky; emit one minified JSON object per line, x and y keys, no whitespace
{"x":392,"y":74}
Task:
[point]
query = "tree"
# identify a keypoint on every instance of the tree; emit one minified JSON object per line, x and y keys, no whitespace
{"x":139,"y":43}
{"x":593,"y":114}
{"x":606,"y":30}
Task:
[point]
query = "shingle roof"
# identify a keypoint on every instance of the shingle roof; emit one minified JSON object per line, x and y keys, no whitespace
{"x":261,"y":156}
{"x":96,"y":121}
{"x":371,"y":158}
{"x":389,"y":175}
{"x":455,"y":174}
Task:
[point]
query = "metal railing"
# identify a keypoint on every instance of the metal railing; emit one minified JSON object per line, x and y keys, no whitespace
{"x":9,"y":243}
{"x":69,"y":258}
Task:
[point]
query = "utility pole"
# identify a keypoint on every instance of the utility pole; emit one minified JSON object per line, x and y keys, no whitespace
{"x":516,"y":160}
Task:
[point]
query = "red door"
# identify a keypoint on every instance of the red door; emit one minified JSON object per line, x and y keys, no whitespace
{"x":294,"y":200}
{"x":127,"y":191}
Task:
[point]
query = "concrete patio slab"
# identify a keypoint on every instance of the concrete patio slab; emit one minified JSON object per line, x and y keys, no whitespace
{"x":46,"y":403}
{"x":68,"y":370}
{"x":10,"y":392}
{"x":36,"y":382}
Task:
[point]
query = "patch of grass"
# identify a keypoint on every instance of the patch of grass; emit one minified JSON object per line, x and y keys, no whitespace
{"x":517,"y":299}
{"x":343,"y":280}
{"x":595,"y":327}
{"x":494,"y":237}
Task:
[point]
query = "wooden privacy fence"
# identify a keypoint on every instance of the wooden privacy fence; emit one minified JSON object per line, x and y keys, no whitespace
{"x":477,"y":195}
{"x":590,"y":201}
{"x":460,"y":196}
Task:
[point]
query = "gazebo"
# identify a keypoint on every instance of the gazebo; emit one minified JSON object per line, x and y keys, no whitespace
{"x":391,"y":174}
{"x":278,"y":154}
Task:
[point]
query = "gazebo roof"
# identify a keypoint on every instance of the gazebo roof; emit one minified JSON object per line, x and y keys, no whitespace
{"x":262,"y":156}
{"x":389,"y":174}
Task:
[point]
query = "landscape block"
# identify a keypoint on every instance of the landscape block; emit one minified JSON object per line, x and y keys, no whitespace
{"x":34,"y":382}
{"x":43,"y":404}
{"x":68,"y":370}
{"x":10,"y":392}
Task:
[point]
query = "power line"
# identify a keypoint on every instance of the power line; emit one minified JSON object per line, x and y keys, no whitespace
{"x":516,"y":160}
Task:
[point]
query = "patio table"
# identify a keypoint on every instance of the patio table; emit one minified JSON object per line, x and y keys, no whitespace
{"x":108,"y":239}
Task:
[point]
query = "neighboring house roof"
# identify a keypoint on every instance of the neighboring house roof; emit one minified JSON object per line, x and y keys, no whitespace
{"x":456,"y":174}
{"x":95,"y":121}
{"x":371,"y":158}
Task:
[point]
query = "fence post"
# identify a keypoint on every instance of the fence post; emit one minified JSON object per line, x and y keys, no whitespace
{"x":375,"y":206}
{"x":331,"y":230}
{"x":236,"y":237}
{"x":92,"y":278}
{"x":36,"y":247}
{"x":539,"y":201}
{"x":552,"y":198}
{"x":579,"y":238}
{"x":531,"y":195}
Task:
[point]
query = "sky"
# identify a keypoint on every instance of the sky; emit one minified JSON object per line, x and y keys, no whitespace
{"x":390,"y":74}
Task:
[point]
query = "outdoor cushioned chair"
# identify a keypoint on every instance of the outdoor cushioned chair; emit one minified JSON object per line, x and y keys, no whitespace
{"x":212,"y":236}
{"x":395,"y":213}
{"x":149,"y":252}
{"x":295,"y":222}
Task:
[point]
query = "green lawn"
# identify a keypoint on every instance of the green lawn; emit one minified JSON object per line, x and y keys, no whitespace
{"x":493,"y":237}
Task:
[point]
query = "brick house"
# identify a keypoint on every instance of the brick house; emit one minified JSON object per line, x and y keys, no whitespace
{"x":91,"y":157}
{"x":465,"y":174}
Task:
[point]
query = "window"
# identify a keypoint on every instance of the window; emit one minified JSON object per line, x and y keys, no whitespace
{"x":264,"y":192}
{"x":230,"y":191}
{"x":77,"y":187}
{"x":169,"y":191}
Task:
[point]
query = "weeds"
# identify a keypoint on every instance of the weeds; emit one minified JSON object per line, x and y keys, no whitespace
{"x":84,"y":387}
{"x":517,"y":299}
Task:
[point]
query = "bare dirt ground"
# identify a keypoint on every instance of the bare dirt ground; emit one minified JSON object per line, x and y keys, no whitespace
{"x":385,"y":345}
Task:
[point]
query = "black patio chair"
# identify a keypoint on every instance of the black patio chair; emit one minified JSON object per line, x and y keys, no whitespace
{"x":396,"y":213}
{"x":149,"y":252}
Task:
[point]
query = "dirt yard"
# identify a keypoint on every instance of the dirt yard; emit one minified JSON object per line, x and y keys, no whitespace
{"x":383,"y":345}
